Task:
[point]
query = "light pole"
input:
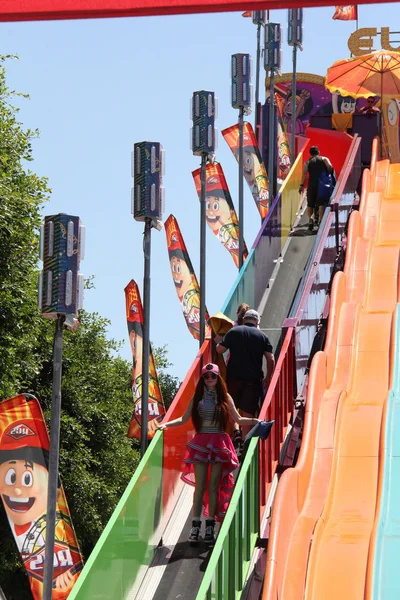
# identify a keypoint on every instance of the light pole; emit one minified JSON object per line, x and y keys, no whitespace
{"x":241,"y":94}
{"x":295,"y":39}
{"x":203,"y":143}
{"x":60,"y":298}
{"x":272,"y":64}
{"x":260,"y":18}
{"x":148,"y":206}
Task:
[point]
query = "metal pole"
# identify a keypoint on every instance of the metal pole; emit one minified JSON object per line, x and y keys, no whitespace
{"x":146,"y":337}
{"x":241,"y":209}
{"x":271,"y":138}
{"x":203,"y":247}
{"x":257,"y":78}
{"x":53,"y":461}
{"x":293,"y":124}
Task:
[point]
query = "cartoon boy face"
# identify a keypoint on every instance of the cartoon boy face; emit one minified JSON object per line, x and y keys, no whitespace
{"x":217,"y":212}
{"x":23,"y":487}
{"x":249,"y":167}
{"x":136,"y":342}
{"x":348,"y":106}
{"x":180,"y":274}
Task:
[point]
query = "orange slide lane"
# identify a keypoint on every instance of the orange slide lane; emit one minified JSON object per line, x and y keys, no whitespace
{"x":324,"y":507}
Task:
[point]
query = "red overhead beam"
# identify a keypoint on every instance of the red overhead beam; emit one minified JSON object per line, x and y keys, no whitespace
{"x":40,"y":10}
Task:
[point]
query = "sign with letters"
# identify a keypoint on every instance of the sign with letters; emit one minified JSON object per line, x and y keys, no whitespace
{"x":362,"y":40}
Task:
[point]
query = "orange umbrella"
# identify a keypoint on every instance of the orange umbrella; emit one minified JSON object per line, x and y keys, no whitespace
{"x":372,"y":74}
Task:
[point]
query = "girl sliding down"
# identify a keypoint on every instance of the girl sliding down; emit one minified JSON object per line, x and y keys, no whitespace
{"x":211,"y":457}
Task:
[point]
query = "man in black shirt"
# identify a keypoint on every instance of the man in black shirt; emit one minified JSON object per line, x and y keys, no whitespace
{"x":314,"y":167}
{"x":247,"y":346}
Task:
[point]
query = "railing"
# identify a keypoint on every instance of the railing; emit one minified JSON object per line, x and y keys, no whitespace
{"x":309,"y":303}
{"x":126,"y":547}
{"x":229,"y":563}
{"x":255,"y":274}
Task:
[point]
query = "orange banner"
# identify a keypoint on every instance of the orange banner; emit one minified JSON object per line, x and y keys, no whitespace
{"x":24,"y":454}
{"x":184,"y":277}
{"x":345,"y":13}
{"x":220,"y":212}
{"x":134,"y":317}
{"x":283,"y":142}
{"x":253,"y":166}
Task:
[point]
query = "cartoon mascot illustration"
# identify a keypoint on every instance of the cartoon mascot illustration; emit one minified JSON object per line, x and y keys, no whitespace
{"x":23,"y":488}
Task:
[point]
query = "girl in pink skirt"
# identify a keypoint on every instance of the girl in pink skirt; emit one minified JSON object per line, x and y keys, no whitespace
{"x":210,"y":458}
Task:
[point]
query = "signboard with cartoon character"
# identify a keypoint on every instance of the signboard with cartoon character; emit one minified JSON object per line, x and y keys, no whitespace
{"x":254,"y":170}
{"x":24,"y":453}
{"x":134,"y":317}
{"x":220,"y":212}
{"x":184,"y":278}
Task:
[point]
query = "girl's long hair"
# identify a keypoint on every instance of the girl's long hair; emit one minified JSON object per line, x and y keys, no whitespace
{"x":222,"y":407}
{"x":241,"y":311}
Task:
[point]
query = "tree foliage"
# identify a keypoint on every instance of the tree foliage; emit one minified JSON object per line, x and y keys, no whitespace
{"x":97,"y":459}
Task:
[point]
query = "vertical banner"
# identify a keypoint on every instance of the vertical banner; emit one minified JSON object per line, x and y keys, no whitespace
{"x":134,"y":317}
{"x":220,"y":212}
{"x":24,"y":454}
{"x":184,"y":277}
{"x":345,"y":13}
{"x":283,"y":142}
{"x":254,"y":169}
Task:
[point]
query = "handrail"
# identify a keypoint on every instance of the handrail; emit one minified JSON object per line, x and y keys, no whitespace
{"x":230,"y":560}
{"x":344,"y":175}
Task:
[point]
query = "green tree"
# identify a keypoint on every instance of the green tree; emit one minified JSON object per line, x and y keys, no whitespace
{"x":97,"y":459}
{"x":169,"y":383}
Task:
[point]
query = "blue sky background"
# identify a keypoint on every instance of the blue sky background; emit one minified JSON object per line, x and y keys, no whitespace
{"x":98,"y":86}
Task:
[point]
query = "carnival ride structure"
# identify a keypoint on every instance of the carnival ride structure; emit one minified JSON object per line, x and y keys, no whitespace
{"x":143,"y":551}
{"x":333,"y":514}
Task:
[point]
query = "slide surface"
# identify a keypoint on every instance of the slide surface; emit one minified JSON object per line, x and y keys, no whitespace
{"x":324,"y":510}
{"x":384,"y":559}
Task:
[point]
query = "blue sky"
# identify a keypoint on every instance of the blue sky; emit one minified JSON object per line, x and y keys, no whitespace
{"x":98,"y":86}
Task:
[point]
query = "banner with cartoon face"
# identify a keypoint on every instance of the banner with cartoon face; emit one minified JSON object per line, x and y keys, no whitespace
{"x":283,"y":142}
{"x":220,"y":213}
{"x":184,"y":278}
{"x":254,"y":170}
{"x":134,"y":317}
{"x":24,"y":453}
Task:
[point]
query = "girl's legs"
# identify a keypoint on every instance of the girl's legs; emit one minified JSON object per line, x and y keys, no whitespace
{"x":213,"y":485}
{"x":200,"y":473}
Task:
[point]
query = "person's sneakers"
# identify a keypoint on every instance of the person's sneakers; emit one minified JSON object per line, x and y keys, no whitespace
{"x":310,"y":225}
{"x":195,"y":532}
{"x":316,"y":222}
{"x":210,"y":535}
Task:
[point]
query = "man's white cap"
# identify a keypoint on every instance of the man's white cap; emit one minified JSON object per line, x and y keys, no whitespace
{"x":252,"y":314}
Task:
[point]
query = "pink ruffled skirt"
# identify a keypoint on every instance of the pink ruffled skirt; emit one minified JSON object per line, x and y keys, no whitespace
{"x":211,"y":449}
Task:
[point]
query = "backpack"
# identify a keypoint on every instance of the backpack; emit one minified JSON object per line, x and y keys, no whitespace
{"x":326,"y":185}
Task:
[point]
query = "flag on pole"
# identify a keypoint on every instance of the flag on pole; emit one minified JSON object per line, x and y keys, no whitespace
{"x":345,"y":13}
{"x":134,"y":317}
{"x":184,"y":278}
{"x":253,"y":167}
{"x":220,"y":213}
{"x":24,"y":457}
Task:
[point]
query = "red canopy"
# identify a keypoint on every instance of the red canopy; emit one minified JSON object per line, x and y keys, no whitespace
{"x":34,"y":10}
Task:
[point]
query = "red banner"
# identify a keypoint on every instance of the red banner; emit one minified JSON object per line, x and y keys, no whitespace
{"x":134,"y":317}
{"x":283,"y":142}
{"x":253,"y":166}
{"x":184,"y":277}
{"x":30,"y":10}
{"x":345,"y":13}
{"x":24,"y":453}
{"x":220,"y":212}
